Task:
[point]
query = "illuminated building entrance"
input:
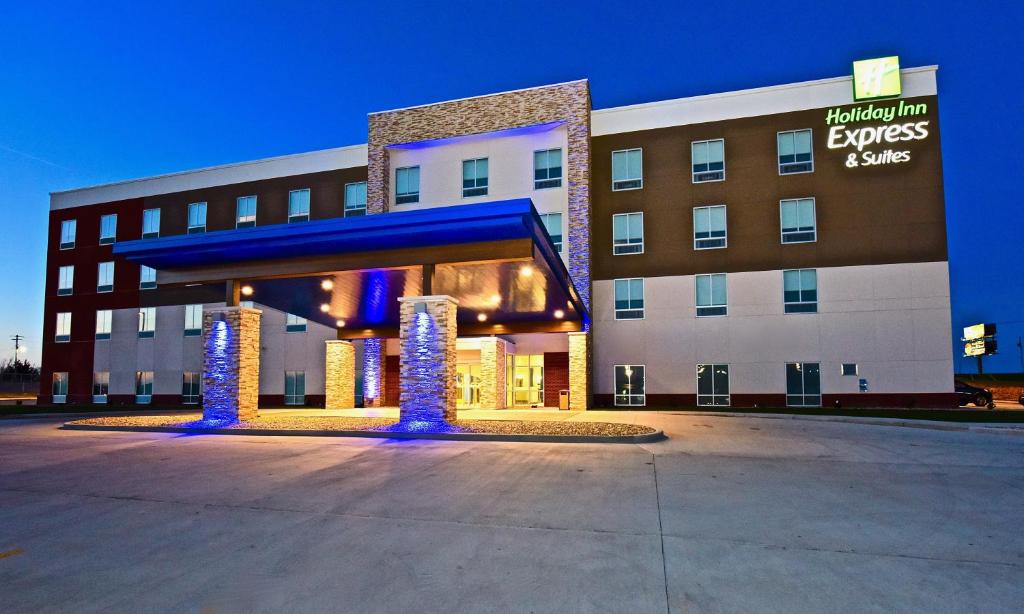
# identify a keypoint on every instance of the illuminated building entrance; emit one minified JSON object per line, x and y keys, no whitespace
{"x":525,"y":380}
{"x":467,"y":381}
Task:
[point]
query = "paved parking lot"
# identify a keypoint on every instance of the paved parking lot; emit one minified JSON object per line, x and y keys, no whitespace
{"x":728,"y":515}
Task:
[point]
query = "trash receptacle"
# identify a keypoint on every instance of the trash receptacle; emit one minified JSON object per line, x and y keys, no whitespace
{"x":563,"y":399}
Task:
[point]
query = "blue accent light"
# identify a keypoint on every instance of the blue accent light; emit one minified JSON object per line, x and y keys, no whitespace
{"x":520,"y":131}
{"x":220,"y":398}
{"x":373,"y":355}
{"x":425,"y":378}
{"x":374,"y":298}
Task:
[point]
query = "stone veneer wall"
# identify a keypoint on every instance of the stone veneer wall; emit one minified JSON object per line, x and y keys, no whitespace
{"x":374,"y":373}
{"x":579,"y":358}
{"x":492,"y":372}
{"x":428,"y":356}
{"x":566,"y":102}
{"x":340,"y":375}
{"x":231,"y":363}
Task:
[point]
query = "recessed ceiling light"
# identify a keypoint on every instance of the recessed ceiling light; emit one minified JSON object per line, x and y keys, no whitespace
{"x":559,"y":314}
{"x":526,"y":270}
{"x":325,"y":307}
{"x":340,"y":323}
{"x":327,"y":284}
{"x":481,"y":317}
{"x":247,"y":290}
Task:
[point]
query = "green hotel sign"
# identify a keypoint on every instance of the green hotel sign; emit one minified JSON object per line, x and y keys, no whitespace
{"x":877,"y":78}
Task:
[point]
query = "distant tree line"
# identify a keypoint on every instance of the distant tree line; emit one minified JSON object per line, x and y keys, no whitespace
{"x":17,"y":366}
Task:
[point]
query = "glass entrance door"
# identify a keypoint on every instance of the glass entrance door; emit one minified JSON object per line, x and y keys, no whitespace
{"x":526,"y":380}
{"x":467,"y":380}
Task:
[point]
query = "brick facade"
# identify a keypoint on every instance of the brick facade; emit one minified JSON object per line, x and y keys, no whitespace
{"x":231,"y":363}
{"x":428,"y":356}
{"x":340,"y":375}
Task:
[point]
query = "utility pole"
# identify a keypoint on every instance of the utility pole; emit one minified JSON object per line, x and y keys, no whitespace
{"x":17,"y":339}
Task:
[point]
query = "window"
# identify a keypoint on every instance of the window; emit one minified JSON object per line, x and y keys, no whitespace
{"x":105,"y":277}
{"x":407,"y":185}
{"x":629,"y":385}
{"x":547,"y":169}
{"x":800,"y":291}
{"x":108,"y":228}
{"x":795,"y":152}
{"x":65,"y":280}
{"x":797,"y":220}
{"x":850,"y":368}
{"x":355,"y":198}
{"x":147,"y":322}
{"x":803,"y":384}
{"x":249,"y":304}
{"x":627,"y":233}
{"x":294,"y":323}
{"x":143,"y":387}
{"x":629,"y":299}
{"x":709,"y":227}
{"x":474,"y":177}
{"x":147,"y":277}
{"x":103,"y":317}
{"x":245,"y":212}
{"x":196,"y":218}
{"x":713,"y":385}
{"x":294,"y":387}
{"x":60,"y":387}
{"x":63,"y":334}
{"x":190,"y":387}
{"x":712,"y":297}
{"x":67,"y":234}
{"x":298,"y":206}
{"x":708,"y":158}
{"x":627,"y":169}
{"x":553,"y":224}
{"x":193,"y":320}
{"x":100,"y":386}
{"x":150,"y":223}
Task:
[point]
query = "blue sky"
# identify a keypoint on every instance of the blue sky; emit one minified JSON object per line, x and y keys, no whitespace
{"x":91,"y":94}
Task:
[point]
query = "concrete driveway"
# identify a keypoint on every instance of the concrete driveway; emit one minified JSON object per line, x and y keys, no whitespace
{"x":729,"y":515}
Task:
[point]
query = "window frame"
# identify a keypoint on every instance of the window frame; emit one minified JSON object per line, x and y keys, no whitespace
{"x":711,"y":310}
{"x":293,"y":398}
{"x":146,"y":284}
{"x":295,"y":327}
{"x":347,"y":211}
{"x":694,"y":172}
{"x":100,"y":287}
{"x":189,"y":384}
{"x":238,"y":211}
{"x":798,"y":305}
{"x":143,"y":398}
{"x":630,"y":396}
{"x":194,"y":331}
{"x":105,"y":239}
{"x":150,"y":213}
{"x":101,"y":335}
{"x":98,"y":397}
{"x":801,"y":366}
{"x":724,"y":238}
{"x":72,"y":235}
{"x":640,"y":180}
{"x":643,"y":291}
{"x":147,"y":325}
{"x":69,"y":289}
{"x":62,"y":331}
{"x":715,"y":394}
{"x":477,"y":190}
{"x":559,"y":244}
{"x":856,"y":369}
{"x":63,"y":378}
{"x":194,"y":229}
{"x":778,"y":152}
{"x":555,"y":182}
{"x":642,"y":244}
{"x":300,"y":217}
{"x":814,"y":214}
{"x":408,"y":198}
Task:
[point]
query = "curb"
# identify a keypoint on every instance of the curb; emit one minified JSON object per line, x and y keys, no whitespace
{"x":645,"y":438}
{"x":935,"y":425}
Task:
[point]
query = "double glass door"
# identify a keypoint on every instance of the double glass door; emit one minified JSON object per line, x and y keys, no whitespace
{"x":525,"y":380}
{"x":467,"y":381}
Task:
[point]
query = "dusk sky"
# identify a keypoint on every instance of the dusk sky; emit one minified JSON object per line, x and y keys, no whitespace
{"x":91,"y":94}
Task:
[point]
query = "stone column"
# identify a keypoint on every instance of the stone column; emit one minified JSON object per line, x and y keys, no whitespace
{"x":374,"y":372}
{"x":427,"y":336}
{"x":579,"y":386}
{"x":340,"y":375}
{"x":231,"y":363}
{"x":492,"y":372}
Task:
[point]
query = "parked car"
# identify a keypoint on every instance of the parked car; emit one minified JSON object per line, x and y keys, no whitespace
{"x":967,"y":394}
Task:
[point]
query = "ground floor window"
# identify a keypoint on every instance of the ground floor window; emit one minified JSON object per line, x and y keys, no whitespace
{"x":143,"y":387}
{"x":803,"y":384}
{"x":294,"y":387}
{"x":100,"y":386}
{"x":60,"y":387}
{"x":190,"y":387}
{"x":630,"y":386}
{"x":713,"y":385}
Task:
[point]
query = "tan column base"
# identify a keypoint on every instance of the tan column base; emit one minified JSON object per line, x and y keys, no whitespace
{"x":231,"y":363}
{"x":579,"y":371}
{"x":340,"y":375}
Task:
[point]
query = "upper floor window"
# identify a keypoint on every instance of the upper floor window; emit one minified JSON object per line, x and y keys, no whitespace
{"x":407,"y":185}
{"x":629,"y":385}
{"x":67,"y":234}
{"x":708,"y":158}
{"x":103,"y":323}
{"x":803,"y":384}
{"x":147,"y":277}
{"x":245,"y":212}
{"x":547,"y":169}
{"x":553,"y":224}
{"x":108,"y":228}
{"x":147,"y":321}
{"x":105,"y":277}
{"x":193,"y":320}
{"x":709,"y":230}
{"x":150,"y":223}
{"x":294,"y":323}
{"x":298,"y":206}
{"x":355,"y":198}
{"x":196,"y":218}
{"x":800,"y":291}
{"x":63,"y":334}
{"x":629,"y":299}
{"x":627,"y":169}
{"x":65,"y":280}
{"x":474,"y":177}
{"x":712,"y":295}
{"x":798,"y":220}
{"x":627,"y":233}
{"x":795,"y":155}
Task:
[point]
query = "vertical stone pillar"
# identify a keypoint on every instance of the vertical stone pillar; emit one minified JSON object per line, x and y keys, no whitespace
{"x":340,"y":375}
{"x":492,"y":372}
{"x":579,"y":371}
{"x":427,"y":376}
{"x":231,"y":363}
{"x":374,"y":356}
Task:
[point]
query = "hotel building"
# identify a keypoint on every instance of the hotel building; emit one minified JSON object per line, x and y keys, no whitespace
{"x":776,"y":246}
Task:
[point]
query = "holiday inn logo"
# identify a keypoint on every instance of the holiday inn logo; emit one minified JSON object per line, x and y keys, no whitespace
{"x":877,"y":78}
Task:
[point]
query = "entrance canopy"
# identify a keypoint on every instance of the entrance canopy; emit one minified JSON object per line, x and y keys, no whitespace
{"x":495,"y":258}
